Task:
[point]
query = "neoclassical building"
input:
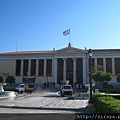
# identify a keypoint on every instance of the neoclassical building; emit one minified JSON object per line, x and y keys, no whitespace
{"x":68,"y":63}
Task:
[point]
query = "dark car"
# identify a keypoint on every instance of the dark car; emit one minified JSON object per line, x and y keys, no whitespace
{"x":113,"y":85}
{"x":97,"y":86}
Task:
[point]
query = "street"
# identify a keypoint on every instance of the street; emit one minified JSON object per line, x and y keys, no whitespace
{"x":44,"y":102}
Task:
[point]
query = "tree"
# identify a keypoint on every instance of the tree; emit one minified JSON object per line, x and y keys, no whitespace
{"x":102,"y":77}
{"x":1,"y":79}
{"x":118,"y":78}
{"x":98,"y":67}
{"x":98,"y":76}
{"x":10,"y":79}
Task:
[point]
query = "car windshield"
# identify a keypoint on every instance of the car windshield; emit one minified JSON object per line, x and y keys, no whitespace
{"x":67,"y":87}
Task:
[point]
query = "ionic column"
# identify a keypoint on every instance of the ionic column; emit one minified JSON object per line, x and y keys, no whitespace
{"x":37,"y":67}
{"x":95,"y":64}
{"x":52,"y":67}
{"x":44,"y":67}
{"x":113,"y":66}
{"x":55,"y":70}
{"x":74,"y":70}
{"x":29,"y":67}
{"x":84,"y":71}
{"x":21,"y":71}
{"x":64,"y":69}
{"x":104,"y":64}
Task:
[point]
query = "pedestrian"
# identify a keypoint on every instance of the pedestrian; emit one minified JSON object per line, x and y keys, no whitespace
{"x":83,"y":87}
{"x":75,"y":84}
{"x":47,"y":84}
{"x":44,"y":84}
{"x":53,"y":84}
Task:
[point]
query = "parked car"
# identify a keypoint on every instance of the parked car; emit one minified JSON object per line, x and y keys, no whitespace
{"x":109,"y":85}
{"x":66,"y":90}
{"x":97,"y":86}
{"x":113,"y":85}
{"x":12,"y":86}
{"x":27,"y":87}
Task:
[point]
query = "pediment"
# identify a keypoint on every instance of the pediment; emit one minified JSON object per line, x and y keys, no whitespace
{"x":70,"y":50}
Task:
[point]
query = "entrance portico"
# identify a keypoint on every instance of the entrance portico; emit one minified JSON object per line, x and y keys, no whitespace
{"x":71,"y":69}
{"x":70,"y":64}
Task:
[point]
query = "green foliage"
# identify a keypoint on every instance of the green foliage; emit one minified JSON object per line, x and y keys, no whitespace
{"x":10,"y":79}
{"x":1,"y":79}
{"x":102,"y":77}
{"x":110,"y":90}
{"x":98,"y":76}
{"x":98,"y":67}
{"x":107,"y":77}
{"x":118,"y":78}
{"x":106,"y":104}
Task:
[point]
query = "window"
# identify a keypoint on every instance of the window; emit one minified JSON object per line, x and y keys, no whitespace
{"x":49,"y":67}
{"x":25,"y":67}
{"x":33,"y":67}
{"x":109,"y":65}
{"x":41,"y":68}
{"x":117,"y":66}
{"x":18,"y":67}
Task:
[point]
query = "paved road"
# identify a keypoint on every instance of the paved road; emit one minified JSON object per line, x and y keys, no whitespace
{"x":45,"y":102}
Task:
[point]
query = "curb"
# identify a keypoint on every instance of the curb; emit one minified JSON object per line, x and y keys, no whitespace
{"x":41,"y":108}
{"x":79,"y":110}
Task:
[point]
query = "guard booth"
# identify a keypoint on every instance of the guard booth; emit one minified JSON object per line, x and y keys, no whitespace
{"x":64,"y":82}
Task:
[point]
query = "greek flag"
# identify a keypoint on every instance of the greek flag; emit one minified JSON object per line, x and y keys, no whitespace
{"x":66,"y":32}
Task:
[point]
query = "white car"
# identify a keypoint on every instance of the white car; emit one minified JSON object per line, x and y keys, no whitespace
{"x":66,"y":90}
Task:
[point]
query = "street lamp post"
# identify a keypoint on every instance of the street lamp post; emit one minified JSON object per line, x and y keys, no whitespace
{"x":47,"y":77}
{"x":27,"y":77}
{"x":90,"y":74}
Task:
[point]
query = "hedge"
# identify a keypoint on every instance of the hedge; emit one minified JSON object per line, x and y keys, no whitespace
{"x":110,"y":90}
{"x":106,"y":104}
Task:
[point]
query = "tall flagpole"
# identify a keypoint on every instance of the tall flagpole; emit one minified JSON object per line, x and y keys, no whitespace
{"x":69,"y":38}
{"x":69,"y":35}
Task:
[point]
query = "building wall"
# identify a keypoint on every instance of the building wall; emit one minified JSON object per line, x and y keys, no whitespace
{"x":8,"y":66}
{"x":109,"y":60}
{"x":38,"y":79}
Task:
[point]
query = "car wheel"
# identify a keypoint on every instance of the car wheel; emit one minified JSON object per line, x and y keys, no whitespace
{"x":21,"y":92}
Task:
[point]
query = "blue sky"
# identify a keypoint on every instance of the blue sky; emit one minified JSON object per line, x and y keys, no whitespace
{"x":33,"y":25}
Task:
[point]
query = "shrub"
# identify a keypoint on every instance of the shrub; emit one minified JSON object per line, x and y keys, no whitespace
{"x":10,"y":79}
{"x":110,"y":90}
{"x":1,"y":79}
{"x":102,"y":77}
{"x":106,"y":104}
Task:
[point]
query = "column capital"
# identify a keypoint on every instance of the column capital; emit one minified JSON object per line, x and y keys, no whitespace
{"x":64,"y":59}
{"x":74,"y":58}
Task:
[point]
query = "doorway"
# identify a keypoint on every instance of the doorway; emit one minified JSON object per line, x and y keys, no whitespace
{"x":70,"y":78}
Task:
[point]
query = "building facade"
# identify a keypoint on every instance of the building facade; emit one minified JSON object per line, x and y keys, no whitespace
{"x":56,"y":65}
